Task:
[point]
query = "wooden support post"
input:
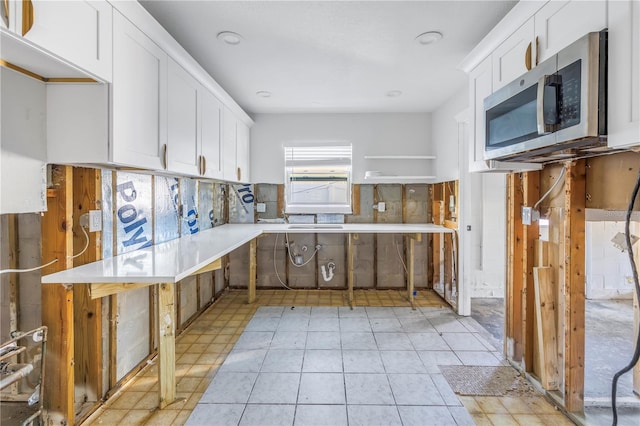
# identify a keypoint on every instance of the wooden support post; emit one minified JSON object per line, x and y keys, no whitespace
{"x":530,"y":233}
{"x":513,"y":305}
{"x":350,"y":263}
{"x":14,"y":283}
{"x":545,"y":306}
{"x":166,"y":344}
{"x":252,"y":271}
{"x":574,"y":281}
{"x":57,"y":301}
{"x":87,"y":195}
{"x":411,"y":267}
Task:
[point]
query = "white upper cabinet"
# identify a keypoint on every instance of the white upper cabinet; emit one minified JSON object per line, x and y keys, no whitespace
{"x":623,"y":107}
{"x":229,"y":145}
{"x":480,"y":86}
{"x":182,"y":130}
{"x":242,"y":151}
{"x":211,"y":129}
{"x":78,"y":32}
{"x":560,"y":23}
{"x":138,"y":97}
{"x":515,"y":56}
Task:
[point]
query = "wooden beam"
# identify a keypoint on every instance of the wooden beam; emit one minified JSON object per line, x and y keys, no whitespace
{"x":57,"y":302}
{"x":166,"y":344}
{"x":98,"y":290}
{"x":634,"y":228}
{"x":530,"y":233}
{"x":574,"y":270}
{"x":545,"y":306}
{"x":280,"y":189}
{"x":14,"y":284}
{"x":514,"y":304}
{"x":541,"y":257}
{"x":411,"y":270}
{"x":350,"y":266}
{"x":113,"y":340}
{"x":87,"y":195}
{"x":253,"y":267}
{"x":355,"y":199}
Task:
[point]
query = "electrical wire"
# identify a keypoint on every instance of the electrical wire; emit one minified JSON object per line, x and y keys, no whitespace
{"x":546,"y":194}
{"x":634,"y":269}
{"x":275,"y":267}
{"x":8,"y":271}
{"x":399,"y":256}
{"x":86,"y":246}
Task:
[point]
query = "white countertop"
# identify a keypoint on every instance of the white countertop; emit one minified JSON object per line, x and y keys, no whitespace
{"x":175,"y":260}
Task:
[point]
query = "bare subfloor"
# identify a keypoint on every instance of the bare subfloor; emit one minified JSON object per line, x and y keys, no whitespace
{"x":608,"y":348}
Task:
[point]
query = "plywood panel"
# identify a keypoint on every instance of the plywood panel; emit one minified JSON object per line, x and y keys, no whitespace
{"x":545,"y":307}
{"x":515,"y":274}
{"x":610,"y":180}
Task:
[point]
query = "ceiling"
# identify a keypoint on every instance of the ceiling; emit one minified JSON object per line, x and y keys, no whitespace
{"x":331,"y":56}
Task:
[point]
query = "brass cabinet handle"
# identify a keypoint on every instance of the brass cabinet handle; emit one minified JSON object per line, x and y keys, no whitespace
{"x":536,"y":50}
{"x":5,"y":16}
{"x":527,"y":57}
{"x":28,"y":16}
{"x":239,"y":174}
{"x":204,"y":165}
{"x":164,"y":156}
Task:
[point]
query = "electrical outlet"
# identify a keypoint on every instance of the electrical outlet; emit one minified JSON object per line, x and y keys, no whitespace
{"x":527,"y":215}
{"x":261,"y":207}
{"x":381,"y":206}
{"x":95,"y":220}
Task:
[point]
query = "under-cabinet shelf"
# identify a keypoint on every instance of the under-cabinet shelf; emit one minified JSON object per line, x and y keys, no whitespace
{"x":391,"y":177}
{"x":399,"y":157}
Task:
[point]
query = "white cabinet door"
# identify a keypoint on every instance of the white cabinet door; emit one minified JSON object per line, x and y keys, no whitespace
{"x":514,"y":56}
{"x":138,"y":98}
{"x":623,"y":106}
{"x":211,"y":129}
{"x":23,"y":147}
{"x":229,"y":135}
{"x":480,"y":83}
{"x":242,"y":152}
{"x":560,"y":23}
{"x":76,"y":31}
{"x":182,"y":121}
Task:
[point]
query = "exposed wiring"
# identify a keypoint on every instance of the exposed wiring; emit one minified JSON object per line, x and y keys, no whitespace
{"x":286,"y":235}
{"x":86,"y":246}
{"x":399,"y":255}
{"x":275,"y":267}
{"x":636,"y":353}
{"x":8,"y":271}
{"x":546,"y":194}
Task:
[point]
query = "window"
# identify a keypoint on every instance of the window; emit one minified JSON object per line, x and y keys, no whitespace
{"x":318,"y":178}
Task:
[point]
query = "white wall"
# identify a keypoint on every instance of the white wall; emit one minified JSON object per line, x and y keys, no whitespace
{"x":445,"y":136}
{"x":608,"y":269}
{"x":370,"y":134}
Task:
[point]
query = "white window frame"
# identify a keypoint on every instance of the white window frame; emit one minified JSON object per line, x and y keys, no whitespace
{"x":317,"y":154}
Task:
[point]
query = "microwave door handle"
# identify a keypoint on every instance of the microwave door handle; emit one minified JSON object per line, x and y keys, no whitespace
{"x":543,"y":128}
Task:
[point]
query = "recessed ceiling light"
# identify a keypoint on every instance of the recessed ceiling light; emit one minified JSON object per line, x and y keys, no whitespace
{"x":429,"y":37}
{"x":263,"y":94}
{"x":230,"y":37}
{"x":394,"y":93}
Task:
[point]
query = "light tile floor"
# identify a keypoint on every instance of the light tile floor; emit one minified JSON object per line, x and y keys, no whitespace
{"x":322,"y":363}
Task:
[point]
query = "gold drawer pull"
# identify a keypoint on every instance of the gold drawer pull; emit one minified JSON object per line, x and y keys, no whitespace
{"x":527,"y":57}
{"x":28,"y":16}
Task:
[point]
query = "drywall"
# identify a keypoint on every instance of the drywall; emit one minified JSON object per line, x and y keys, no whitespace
{"x":608,"y":268}
{"x":445,"y":136}
{"x":370,"y":134}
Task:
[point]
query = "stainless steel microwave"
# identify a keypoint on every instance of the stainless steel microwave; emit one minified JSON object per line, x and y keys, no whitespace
{"x":556,"y":110}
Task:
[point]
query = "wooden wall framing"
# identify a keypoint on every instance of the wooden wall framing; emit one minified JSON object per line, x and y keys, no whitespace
{"x":599,"y":182}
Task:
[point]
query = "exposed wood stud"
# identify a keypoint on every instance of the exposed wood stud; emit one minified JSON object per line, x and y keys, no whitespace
{"x":57,"y":301}
{"x":546,"y":326}
{"x":530,"y":233}
{"x":87,"y":195}
{"x":14,"y":284}
{"x":166,"y":344}
{"x":515,"y":286}
{"x":574,"y":270}
{"x":252,"y":271}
